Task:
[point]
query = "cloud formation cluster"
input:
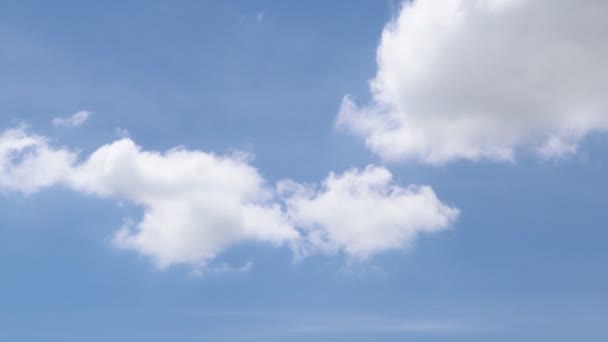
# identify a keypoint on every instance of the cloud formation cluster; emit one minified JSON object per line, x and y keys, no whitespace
{"x":456,"y":79}
{"x":478,"y":79}
{"x":197,"y":204}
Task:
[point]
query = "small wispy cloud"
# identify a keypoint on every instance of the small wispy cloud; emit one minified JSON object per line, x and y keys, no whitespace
{"x":74,"y":120}
{"x":227,"y":268}
{"x":223,"y":268}
{"x":347,"y":324}
{"x":259,"y":17}
{"x":379,"y":325}
{"x":122,"y":132}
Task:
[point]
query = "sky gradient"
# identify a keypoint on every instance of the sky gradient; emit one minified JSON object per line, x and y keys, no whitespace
{"x":344,"y":171}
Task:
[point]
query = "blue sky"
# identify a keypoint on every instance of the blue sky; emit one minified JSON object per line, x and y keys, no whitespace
{"x":520,"y":256}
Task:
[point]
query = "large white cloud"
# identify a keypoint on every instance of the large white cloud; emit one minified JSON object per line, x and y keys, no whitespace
{"x":473,"y":79}
{"x":364,"y":212}
{"x":197,"y":204}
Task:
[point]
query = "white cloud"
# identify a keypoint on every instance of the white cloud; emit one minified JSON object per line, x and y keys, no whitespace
{"x":475,"y":79}
{"x":364,"y":212}
{"x":28,"y":163}
{"x":197,"y":204}
{"x":75,"y":120}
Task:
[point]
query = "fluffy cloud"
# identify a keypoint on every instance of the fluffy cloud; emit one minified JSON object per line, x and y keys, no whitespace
{"x":364,"y":212}
{"x":197,"y":204}
{"x":28,"y":163}
{"x":75,"y":120}
{"x":473,"y":79}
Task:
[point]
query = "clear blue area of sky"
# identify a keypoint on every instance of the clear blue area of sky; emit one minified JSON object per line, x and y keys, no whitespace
{"x":525,"y":262}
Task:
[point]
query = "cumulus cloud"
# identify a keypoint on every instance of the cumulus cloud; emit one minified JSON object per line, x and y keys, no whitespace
{"x":478,"y":79}
{"x":74,"y":120}
{"x":364,"y":212}
{"x":196,"y":204}
{"x":28,"y":163}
